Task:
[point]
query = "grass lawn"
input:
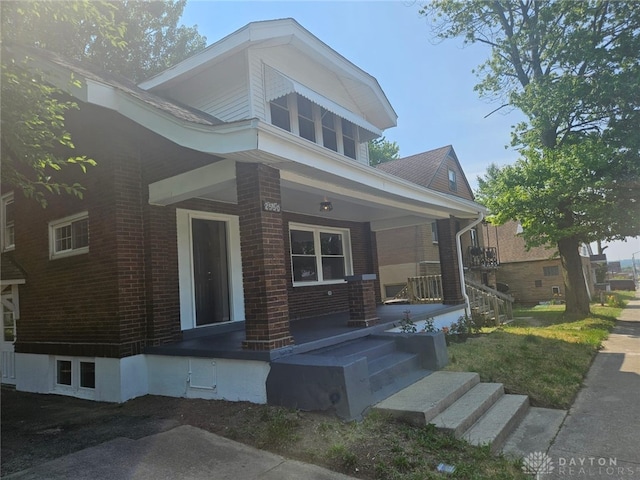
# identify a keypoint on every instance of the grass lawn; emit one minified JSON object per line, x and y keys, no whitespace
{"x":542,"y":353}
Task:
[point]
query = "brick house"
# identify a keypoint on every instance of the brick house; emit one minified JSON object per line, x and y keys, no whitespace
{"x":533,"y":275}
{"x":232,"y":205}
{"x":415,"y":250}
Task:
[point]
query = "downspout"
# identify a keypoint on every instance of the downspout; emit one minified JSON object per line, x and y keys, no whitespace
{"x":460,"y":265}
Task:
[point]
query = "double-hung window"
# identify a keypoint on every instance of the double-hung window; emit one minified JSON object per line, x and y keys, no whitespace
{"x":8,"y":223}
{"x":306,"y":126}
{"x":69,"y":235}
{"x":280,"y":113}
{"x":319,"y":254}
{"x":329,"y":137}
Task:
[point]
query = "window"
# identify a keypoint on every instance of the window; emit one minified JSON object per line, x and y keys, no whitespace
{"x":551,"y":271}
{"x":8,"y":222}
{"x":538,"y":283}
{"x":555,"y":290}
{"x":315,"y":123}
{"x":69,"y":236}
{"x":75,"y":373}
{"x":8,"y":321}
{"x":305,"y":119}
{"x":474,"y":237}
{"x":319,"y":254}
{"x":349,"y":138}
{"x":453,"y":182}
{"x":280,"y":113}
{"x":434,"y":232}
{"x":329,"y":138}
{"x":63,"y":372}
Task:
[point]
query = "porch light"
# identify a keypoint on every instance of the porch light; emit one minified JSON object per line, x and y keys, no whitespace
{"x":326,"y":206}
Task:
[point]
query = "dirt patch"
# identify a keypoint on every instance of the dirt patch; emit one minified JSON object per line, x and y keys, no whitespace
{"x":39,"y":428}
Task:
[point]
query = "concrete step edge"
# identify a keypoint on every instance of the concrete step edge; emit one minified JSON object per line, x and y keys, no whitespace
{"x":465,"y":411}
{"x":498,"y":422}
{"x":422,"y":401}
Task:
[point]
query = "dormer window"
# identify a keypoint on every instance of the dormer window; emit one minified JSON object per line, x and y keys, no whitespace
{"x":301,"y":116}
{"x":280,"y":113}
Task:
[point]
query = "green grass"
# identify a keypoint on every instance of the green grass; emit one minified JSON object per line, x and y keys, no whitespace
{"x":543,"y":354}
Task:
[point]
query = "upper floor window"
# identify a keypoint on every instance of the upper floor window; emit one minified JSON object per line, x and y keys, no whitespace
{"x":474,"y":237}
{"x":69,"y":236}
{"x":551,"y":271}
{"x":453,"y":181}
{"x":434,"y":232}
{"x":301,"y":116}
{"x":319,"y":254}
{"x":280,"y":113}
{"x":8,"y":239}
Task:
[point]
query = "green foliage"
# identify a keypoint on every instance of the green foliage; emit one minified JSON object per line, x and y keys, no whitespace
{"x":133,"y":38}
{"x":572,"y":68}
{"x":382,"y":150}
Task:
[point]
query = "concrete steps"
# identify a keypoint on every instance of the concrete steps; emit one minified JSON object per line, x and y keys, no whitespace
{"x":480,"y":413}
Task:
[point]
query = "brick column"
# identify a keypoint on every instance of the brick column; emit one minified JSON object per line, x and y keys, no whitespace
{"x":362,"y":300}
{"x":451,"y":287}
{"x":263,"y":257}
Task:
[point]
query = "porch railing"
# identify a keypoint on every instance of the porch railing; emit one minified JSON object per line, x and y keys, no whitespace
{"x":481,"y":257}
{"x":424,"y":289}
{"x":494,"y":306}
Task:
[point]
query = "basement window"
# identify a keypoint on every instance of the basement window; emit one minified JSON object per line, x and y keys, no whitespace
{"x":73,"y":374}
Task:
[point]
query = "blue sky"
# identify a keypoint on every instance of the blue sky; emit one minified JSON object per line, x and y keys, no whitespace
{"x":430,"y":85}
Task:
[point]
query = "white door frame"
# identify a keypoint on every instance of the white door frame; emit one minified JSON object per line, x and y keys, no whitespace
{"x":10,"y":304}
{"x":185,"y":266}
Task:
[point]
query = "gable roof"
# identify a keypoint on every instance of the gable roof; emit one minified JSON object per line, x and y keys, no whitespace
{"x":422,"y":168}
{"x":362,"y":87}
{"x":175,"y":109}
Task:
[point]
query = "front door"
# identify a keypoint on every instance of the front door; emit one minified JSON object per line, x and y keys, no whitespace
{"x":210,"y":271}
{"x":7,"y":339}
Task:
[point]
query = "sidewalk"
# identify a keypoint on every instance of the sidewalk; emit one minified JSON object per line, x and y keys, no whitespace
{"x":185,"y":453}
{"x":600,"y":438}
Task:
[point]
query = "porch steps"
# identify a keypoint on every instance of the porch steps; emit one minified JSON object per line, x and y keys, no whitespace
{"x":480,"y":413}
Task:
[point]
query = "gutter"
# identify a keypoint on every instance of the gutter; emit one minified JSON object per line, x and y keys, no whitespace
{"x":460,"y":265}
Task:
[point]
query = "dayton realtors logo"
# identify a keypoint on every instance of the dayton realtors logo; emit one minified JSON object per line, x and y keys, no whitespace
{"x":538,"y":464}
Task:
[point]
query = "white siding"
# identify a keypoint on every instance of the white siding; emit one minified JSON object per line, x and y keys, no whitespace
{"x":300,"y":68}
{"x":256,"y":86}
{"x":221,"y":90}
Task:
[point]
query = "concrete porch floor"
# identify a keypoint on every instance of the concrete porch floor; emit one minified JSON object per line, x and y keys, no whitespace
{"x":225,"y":340}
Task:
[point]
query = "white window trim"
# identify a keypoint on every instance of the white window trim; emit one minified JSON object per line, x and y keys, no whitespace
{"x":346,"y":248}
{"x":7,"y":198}
{"x":292,"y":103}
{"x":83,"y":392}
{"x":434,"y":233}
{"x":55,"y":224}
{"x":185,"y":266}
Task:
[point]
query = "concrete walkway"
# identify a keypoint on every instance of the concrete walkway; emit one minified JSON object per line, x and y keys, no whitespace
{"x":600,"y":438}
{"x":185,"y":453}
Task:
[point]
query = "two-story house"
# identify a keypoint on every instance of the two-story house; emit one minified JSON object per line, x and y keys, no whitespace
{"x":232,"y":211}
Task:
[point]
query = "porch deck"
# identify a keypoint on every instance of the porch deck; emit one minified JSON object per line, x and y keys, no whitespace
{"x":225,"y":340}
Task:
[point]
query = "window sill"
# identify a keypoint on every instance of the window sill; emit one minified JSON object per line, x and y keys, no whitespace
{"x":315,"y":284}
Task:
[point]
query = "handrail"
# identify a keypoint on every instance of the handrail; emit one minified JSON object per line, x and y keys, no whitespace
{"x":484,"y":288}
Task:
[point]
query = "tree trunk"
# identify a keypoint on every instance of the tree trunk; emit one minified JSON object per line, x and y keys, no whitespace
{"x":576,"y":293}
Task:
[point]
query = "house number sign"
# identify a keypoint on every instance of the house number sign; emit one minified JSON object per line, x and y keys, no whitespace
{"x":271,"y":207}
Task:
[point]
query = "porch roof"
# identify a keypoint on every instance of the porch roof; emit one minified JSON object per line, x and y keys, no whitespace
{"x":225,"y":340}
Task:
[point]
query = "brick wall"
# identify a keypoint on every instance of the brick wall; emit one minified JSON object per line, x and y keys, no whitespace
{"x":315,"y":300}
{"x":527,"y":282}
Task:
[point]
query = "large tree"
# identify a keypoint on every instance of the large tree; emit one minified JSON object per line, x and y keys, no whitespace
{"x":135,"y":39}
{"x":572,"y":68}
{"x":382,"y":150}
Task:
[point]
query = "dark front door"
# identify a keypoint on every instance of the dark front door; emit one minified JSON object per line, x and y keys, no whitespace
{"x":211,"y":278}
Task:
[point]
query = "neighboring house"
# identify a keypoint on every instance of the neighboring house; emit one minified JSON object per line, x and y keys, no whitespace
{"x":533,"y":275}
{"x":415,"y":250}
{"x":231,"y":199}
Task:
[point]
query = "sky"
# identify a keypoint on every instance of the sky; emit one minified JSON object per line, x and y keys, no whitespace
{"x":428,"y":83}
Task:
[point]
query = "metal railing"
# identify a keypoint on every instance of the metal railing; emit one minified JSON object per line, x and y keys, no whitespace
{"x":483,"y":257}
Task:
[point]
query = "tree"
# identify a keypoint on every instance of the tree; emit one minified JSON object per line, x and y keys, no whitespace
{"x":382,"y":150}
{"x":572,"y":69}
{"x":135,"y":39}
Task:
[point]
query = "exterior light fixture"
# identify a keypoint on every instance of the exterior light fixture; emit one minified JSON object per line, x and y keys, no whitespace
{"x":326,"y":206}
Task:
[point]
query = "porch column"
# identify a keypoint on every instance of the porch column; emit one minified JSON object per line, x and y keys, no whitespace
{"x":263,"y":257}
{"x":451,"y":287}
{"x":362,"y":300}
